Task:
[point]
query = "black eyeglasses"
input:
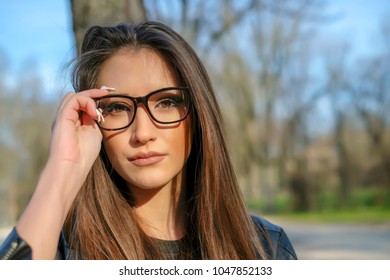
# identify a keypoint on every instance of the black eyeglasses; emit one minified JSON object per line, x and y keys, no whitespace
{"x":165,"y":106}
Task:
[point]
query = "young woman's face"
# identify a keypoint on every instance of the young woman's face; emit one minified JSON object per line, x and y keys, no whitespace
{"x":147,"y":155}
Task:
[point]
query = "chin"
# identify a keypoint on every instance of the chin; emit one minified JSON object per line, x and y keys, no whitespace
{"x":148,"y":183}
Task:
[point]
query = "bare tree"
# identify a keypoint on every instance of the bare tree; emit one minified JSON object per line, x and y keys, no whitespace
{"x":25,"y":121}
{"x":104,"y":12}
{"x":203,"y":23}
{"x":271,"y":93}
{"x":338,"y":90}
{"x":372,"y":102}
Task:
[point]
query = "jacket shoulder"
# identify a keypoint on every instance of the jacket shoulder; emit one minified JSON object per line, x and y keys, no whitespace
{"x":15,"y":248}
{"x":274,"y":240}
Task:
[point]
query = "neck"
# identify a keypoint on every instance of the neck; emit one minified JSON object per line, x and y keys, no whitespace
{"x":162,"y":210}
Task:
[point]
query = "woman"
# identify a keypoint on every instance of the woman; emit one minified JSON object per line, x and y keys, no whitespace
{"x":138,"y":165}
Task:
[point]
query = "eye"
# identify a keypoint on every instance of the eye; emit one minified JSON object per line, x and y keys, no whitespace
{"x":115,"y":108}
{"x":169,"y":102}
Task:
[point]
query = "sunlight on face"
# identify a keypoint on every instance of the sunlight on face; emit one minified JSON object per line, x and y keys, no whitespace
{"x":147,"y":155}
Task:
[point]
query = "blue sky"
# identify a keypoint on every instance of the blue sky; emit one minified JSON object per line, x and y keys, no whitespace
{"x":41,"y":31}
{"x":38,"y":32}
{"x":357,"y":23}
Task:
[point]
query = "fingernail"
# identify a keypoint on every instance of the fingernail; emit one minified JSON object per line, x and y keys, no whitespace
{"x":100,"y":115}
{"x":107,"y":88}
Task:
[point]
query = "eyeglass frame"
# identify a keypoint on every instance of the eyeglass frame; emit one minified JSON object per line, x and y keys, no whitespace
{"x":144,"y":100}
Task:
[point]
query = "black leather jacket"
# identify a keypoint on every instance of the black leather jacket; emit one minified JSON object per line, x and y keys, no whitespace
{"x":276,"y":243}
{"x":273,"y":238}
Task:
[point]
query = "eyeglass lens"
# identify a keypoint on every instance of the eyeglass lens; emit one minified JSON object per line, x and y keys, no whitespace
{"x":165,"y":107}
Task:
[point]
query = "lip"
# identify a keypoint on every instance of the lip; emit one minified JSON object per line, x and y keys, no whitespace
{"x":145,"y":159}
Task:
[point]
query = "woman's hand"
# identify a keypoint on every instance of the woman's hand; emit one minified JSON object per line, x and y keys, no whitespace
{"x":74,"y":146}
{"x":76,"y":138}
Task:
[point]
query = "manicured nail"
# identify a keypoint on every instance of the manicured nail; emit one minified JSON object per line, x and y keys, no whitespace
{"x":107,"y":88}
{"x":100,"y":115}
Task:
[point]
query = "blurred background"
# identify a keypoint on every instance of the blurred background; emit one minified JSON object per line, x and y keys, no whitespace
{"x":304,"y":87}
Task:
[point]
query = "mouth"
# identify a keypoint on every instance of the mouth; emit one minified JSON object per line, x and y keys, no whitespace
{"x":145,"y":159}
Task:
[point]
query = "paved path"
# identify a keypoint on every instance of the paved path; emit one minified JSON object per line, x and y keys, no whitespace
{"x":318,"y":241}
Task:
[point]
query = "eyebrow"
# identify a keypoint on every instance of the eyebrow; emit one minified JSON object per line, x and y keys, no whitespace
{"x":114,"y":92}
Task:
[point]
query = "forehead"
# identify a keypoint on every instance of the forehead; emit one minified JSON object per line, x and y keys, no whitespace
{"x":141,"y":69}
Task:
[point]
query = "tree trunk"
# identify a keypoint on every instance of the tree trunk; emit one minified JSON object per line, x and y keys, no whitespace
{"x":104,"y":12}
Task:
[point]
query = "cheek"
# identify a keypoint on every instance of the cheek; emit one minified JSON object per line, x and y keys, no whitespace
{"x":110,"y":153}
{"x":181,"y":140}
{"x":112,"y":146}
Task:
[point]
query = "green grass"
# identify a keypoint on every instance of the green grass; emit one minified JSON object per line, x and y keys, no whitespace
{"x":368,"y":215}
{"x":364,"y":205}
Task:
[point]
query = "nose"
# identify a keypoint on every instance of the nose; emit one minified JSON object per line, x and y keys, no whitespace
{"x":142,"y":128}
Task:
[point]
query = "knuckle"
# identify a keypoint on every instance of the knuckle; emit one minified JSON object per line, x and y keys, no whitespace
{"x":69,"y":95}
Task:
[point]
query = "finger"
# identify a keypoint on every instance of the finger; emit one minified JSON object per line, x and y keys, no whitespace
{"x":92,"y":93}
{"x":74,"y":103}
{"x":68,"y":96}
{"x":64,"y":101}
{"x":87,"y":119}
{"x":77,"y":105}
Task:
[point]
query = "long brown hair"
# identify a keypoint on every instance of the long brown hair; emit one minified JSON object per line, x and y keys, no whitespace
{"x":102,"y":223}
